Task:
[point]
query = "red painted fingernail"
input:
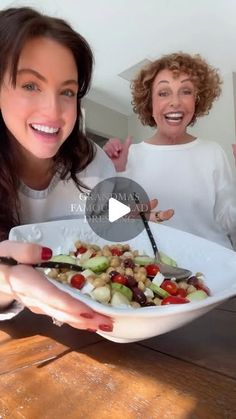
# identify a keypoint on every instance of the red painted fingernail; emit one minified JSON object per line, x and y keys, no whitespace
{"x":91,"y":330}
{"x":87,"y":315}
{"x":105,"y":327}
{"x":46,"y":253}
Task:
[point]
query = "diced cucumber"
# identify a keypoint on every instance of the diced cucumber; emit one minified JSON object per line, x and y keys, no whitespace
{"x":166,"y":259}
{"x":146,"y":260}
{"x":197,"y":295}
{"x":158,"y":290}
{"x":65,"y":259}
{"x":143,"y":260}
{"x":96,"y":264}
{"x":122,"y":289}
{"x":87,"y":273}
{"x":101,"y":294}
{"x":119,"y":299}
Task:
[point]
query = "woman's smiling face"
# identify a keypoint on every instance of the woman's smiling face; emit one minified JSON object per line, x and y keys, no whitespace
{"x":173,"y":103}
{"x":41,"y":110}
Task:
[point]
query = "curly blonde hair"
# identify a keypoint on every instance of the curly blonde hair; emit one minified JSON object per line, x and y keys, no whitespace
{"x":205,"y":78}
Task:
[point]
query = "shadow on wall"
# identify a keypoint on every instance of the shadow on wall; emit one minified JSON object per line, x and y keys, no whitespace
{"x":234,"y":151}
{"x":98,"y":139}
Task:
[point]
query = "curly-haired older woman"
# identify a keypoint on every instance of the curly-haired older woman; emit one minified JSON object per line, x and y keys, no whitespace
{"x":191,"y":175}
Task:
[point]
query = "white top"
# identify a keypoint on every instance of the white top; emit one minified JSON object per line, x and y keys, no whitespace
{"x":61,"y":200}
{"x":194,"y":179}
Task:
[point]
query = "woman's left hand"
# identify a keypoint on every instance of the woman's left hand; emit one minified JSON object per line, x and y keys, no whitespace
{"x":151,"y":214}
{"x":159,"y":216}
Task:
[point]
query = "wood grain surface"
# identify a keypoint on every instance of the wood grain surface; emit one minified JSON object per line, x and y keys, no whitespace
{"x":50,"y":372}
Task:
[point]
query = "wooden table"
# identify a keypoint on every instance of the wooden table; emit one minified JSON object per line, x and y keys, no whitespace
{"x":51,"y":372}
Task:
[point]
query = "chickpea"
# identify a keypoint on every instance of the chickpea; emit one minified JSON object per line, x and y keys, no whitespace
{"x":143,"y":277}
{"x":110,"y":269}
{"x":157,"y":301}
{"x":183,"y":285}
{"x":63,"y":270}
{"x":149,"y":300}
{"x":62,"y":277}
{"x":120,"y":270}
{"x":141,"y":286}
{"x":129,"y":271}
{"x":139,"y":276}
{"x":147,"y":282}
{"x":126,"y":247}
{"x":115,"y":262}
{"x":96,"y":247}
{"x":128,"y":255}
{"x":99,"y":253}
{"x":78,"y":244}
{"x":200,"y":281}
{"x":106,"y":251}
{"x":134,"y":304}
{"x":191,"y":288}
{"x":53,"y":273}
{"x":105,"y":277}
{"x":99,"y":282}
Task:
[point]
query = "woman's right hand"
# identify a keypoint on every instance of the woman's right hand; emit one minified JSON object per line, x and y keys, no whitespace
{"x":33,"y":290}
{"x":118,"y":152}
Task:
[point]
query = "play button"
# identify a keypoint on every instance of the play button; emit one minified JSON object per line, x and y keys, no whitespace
{"x":112,"y":212}
{"x":116,"y":210}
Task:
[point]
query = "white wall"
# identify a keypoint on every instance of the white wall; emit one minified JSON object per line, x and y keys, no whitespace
{"x":137,"y":130}
{"x":104,"y":121}
{"x":219,"y":125}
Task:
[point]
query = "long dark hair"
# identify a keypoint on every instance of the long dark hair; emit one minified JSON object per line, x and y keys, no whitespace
{"x":17,"y":26}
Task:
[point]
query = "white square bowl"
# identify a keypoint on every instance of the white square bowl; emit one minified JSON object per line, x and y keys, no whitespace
{"x":217,"y":263}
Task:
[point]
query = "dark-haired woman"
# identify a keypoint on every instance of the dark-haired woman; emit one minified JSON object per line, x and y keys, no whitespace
{"x":47,"y":164}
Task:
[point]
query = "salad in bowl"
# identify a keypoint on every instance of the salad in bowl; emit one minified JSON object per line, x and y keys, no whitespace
{"x":115,"y":278}
{"x":118,"y":276}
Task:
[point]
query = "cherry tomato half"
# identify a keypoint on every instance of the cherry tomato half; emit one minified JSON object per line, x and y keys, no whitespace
{"x":120,"y":279}
{"x":174,"y":300}
{"x":115,"y":251}
{"x":152,"y":269}
{"x":169,"y":286}
{"x":181,"y":293}
{"x":81,"y":250}
{"x":77,"y":281}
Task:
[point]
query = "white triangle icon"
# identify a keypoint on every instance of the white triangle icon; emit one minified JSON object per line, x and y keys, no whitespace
{"x":116,"y":210}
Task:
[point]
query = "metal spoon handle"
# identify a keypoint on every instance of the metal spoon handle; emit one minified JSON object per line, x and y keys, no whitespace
{"x":167,"y":270}
{"x":147,"y":228}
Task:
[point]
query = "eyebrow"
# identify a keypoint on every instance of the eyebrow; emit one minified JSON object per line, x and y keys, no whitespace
{"x":166,"y":81}
{"x":42,"y":78}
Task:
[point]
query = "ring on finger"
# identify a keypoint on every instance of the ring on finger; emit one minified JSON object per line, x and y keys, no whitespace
{"x":157,"y":217}
{"x":57,"y":322}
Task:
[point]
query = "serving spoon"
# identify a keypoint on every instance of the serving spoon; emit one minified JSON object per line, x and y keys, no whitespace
{"x":167,"y":270}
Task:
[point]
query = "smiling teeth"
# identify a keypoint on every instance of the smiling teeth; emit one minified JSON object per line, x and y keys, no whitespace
{"x":44,"y":128}
{"x":174,"y":115}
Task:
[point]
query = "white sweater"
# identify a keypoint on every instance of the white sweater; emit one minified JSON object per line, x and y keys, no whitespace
{"x":194,"y":179}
